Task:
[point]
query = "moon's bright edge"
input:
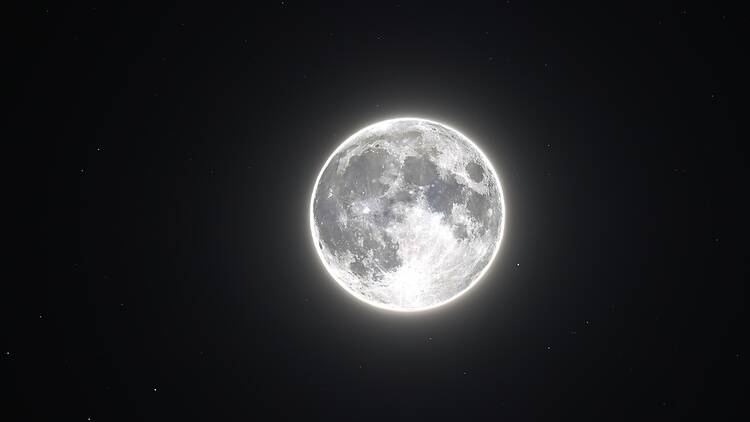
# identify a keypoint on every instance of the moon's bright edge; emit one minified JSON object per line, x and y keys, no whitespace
{"x":407,"y":214}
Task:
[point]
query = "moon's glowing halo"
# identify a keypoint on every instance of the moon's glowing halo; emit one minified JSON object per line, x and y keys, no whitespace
{"x":316,"y":239}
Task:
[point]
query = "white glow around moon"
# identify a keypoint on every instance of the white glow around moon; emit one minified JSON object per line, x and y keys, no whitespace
{"x":403,"y":217}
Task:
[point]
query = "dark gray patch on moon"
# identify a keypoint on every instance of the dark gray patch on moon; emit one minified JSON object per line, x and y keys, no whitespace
{"x":419,"y":171}
{"x":441,"y":196}
{"x":363,"y":173}
{"x":475,"y":172}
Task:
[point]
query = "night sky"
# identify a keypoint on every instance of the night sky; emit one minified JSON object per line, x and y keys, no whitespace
{"x":168,"y":157}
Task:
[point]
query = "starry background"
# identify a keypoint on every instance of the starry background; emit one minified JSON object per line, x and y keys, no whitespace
{"x":168,"y":155}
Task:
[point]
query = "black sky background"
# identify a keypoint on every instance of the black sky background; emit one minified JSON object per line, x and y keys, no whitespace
{"x":168,"y":160}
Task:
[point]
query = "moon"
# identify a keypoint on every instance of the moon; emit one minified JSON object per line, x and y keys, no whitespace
{"x":407,"y":214}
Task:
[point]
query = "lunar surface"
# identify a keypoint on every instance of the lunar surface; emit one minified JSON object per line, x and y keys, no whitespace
{"x":407,"y":214}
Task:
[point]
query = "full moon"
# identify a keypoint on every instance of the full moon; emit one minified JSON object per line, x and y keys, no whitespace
{"x":407,"y":214}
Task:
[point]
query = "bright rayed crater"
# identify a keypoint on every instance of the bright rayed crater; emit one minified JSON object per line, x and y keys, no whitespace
{"x":407,"y":214}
